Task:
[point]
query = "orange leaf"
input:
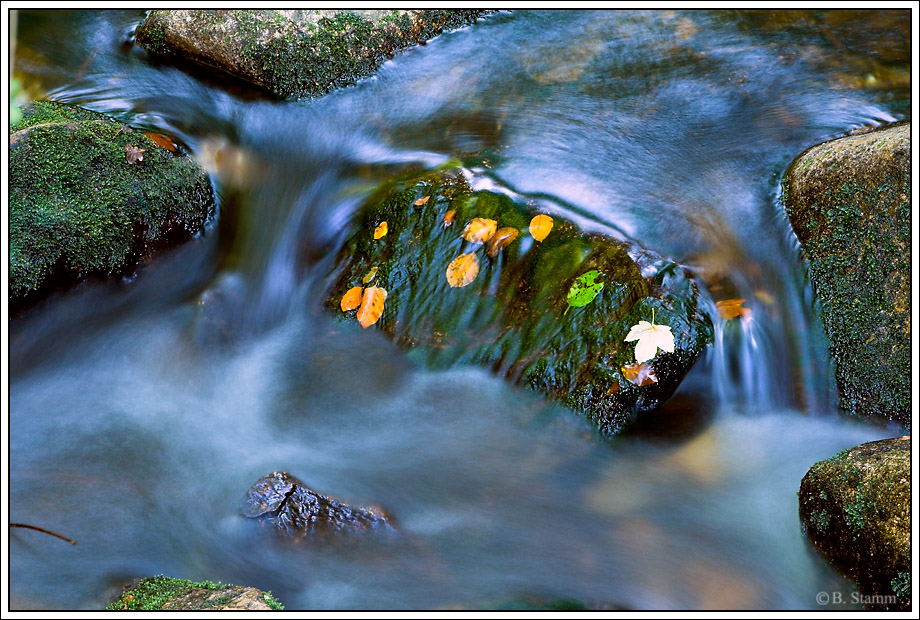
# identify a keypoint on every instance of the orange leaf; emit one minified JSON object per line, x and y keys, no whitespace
{"x":540,"y":226}
{"x":479,"y":230}
{"x":381,"y":230}
{"x":421,"y":201}
{"x":731,"y":308}
{"x":502,"y":239}
{"x":161,"y":140}
{"x":449,"y":218}
{"x":462,"y":270}
{"x":352,"y":299}
{"x":371,"y":306}
{"x":639,"y":374}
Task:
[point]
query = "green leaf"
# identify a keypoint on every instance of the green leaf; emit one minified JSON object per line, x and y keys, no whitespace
{"x":584,"y":289}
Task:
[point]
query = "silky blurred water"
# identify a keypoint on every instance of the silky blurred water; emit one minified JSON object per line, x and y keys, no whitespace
{"x":141,"y":410}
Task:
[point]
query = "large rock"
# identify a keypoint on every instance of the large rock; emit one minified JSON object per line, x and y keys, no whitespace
{"x":849,"y":203}
{"x":282,"y":502}
{"x":295,"y":52}
{"x":166,"y":593}
{"x":78,"y":206}
{"x":856,"y":508}
{"x":514,"y":317}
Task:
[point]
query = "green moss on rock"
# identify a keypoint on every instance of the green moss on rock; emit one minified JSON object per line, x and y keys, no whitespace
{"x":849,"y":204}
{"x":514,"y":317}
{"x":293,"y":52}
{"x":78,"y":207}
{"x":855,"y":506}
{"x":167,"y":593}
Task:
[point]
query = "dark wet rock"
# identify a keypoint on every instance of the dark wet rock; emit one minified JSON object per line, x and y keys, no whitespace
{"x":855,"y":507}
{"x":166,"y":593}
{"x":79,"y":207}
{"x":849,"y":203}
{"x":280,"y":501}
{"x":294,"y":52}
{"x":514,"y":317}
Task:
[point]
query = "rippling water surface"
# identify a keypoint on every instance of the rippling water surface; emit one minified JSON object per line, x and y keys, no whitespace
{"x":140,"y":412}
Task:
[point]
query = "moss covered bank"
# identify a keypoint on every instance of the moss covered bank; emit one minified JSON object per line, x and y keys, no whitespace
{"x":167,"y":593}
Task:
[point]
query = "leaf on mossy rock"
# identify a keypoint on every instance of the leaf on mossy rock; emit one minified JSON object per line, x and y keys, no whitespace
{"x":381,"y":230}
{"x":134,"y":154}
{"x":449,"y":218}
{"x":732,"y":308}
{"x":421,"y":201}
{"x":540,"y":226}
{"x":351,"y":299}
{"x":371,"y":306}
{"x":479,"y":230}
{"x":639,"y":374}
{"x":462,"y":270}
{"x":501,"y":239}
{"x":650,"y":338}
{"x":584,"y":289}
{"x":370,"y":275}
{"x":161,"y":140}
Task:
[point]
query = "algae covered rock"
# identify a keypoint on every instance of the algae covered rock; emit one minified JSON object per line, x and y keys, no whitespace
{"x":849,"y":204}
{"x":293,"y":52}
{"x":79,"y":205}
{"x":514,"y":316}
{"x":855,"y":506}
{"x":166,"y":593}
{"x":282,"y":502}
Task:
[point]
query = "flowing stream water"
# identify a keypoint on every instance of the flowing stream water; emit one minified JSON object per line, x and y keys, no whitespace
{"x":142,"y":410}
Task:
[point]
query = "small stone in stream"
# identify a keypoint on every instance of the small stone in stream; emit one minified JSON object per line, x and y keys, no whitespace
{"x":280,"y":501}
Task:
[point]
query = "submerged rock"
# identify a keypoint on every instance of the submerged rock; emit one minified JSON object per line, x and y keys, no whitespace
{"x":294,"y":52}
{"x":85,"y":200}
{"x":280,"y":501}
{"x":855,"y":506}
{"x":849,"y":204}
{"x":166,"y":593}
{"x":514,"y":315}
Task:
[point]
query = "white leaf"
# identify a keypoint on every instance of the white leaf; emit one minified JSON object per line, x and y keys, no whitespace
{"x":650,"y":338}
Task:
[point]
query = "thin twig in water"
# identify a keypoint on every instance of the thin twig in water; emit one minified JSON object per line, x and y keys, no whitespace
{"x":41,"y":529}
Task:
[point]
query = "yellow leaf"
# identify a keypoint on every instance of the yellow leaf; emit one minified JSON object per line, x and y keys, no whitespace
{"x":371,"y":306}
{"x":370,"y":275}
{"x":540,"y":226}
{"x":502,"y":239}
{"x":351,"y":299}
{"x":449,"y":218}
{"x":650,"y":338}
{"x":479,"y":230}
{"x":462,"y":270}
{"x":639,"y":374}
{"x":731,"y":308}
{"x":421,"y":201}
{"x":161,"y":140}
{"x":381,"y":230}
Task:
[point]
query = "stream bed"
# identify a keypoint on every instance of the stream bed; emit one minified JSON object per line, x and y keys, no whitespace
{"x":141,"y":410}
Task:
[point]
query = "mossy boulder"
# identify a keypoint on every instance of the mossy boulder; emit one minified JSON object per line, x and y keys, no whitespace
{"x":855,"y":507}
{"x":849,"y":204}
{"x":79,"y":207}
{"x":514,"y":317}
{"x":293,"y":53}
{"x":167,"y":593}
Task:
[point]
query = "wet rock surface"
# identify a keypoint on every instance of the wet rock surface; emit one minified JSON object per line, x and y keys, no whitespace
{"x":849,"y":204}
{"x":82,"y":202}
{"x":282,"y":502}
{"x":166,"y":593}
{"x":514,"y":317}
{"x":294,"y":52}
{"x":855,"y":507}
